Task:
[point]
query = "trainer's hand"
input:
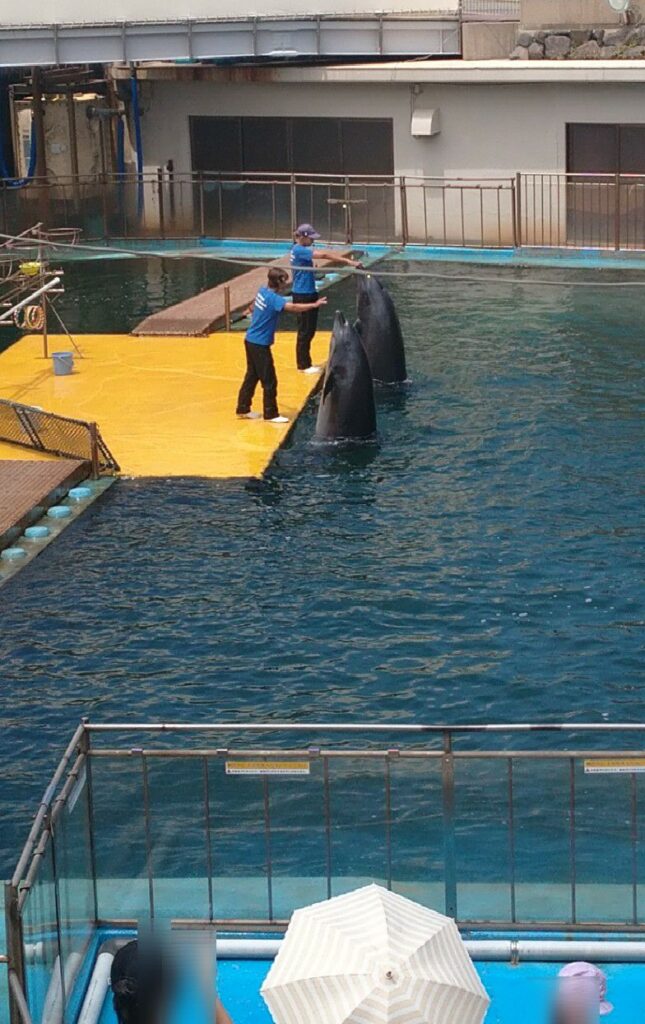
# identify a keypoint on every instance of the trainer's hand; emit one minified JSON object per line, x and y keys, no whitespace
{"x":322,"y":301}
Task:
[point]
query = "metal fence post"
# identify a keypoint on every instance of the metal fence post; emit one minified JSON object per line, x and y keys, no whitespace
{"x":202,"y":231}
{"x":292,"y":202}
{"x":617,"y":213}
{"x":405,"y":235}
{"x":162,"y":219}
{"x":517,"y":212}
{"x":85,"y":747}
{"x":349,"y":231}
{"x":94,"y":445}
{"x":15,"y":947}
{"x":448,"y":806}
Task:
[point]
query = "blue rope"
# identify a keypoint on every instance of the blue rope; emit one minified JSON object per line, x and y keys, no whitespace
{"x":120,"y":146}
{"x":7,"y":180}
{"x":136,"y":113}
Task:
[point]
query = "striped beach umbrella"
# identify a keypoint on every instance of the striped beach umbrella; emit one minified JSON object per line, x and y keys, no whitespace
{"x":373,"y":957}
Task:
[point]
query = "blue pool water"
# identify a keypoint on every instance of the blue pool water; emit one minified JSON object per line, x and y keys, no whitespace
{"x":481,"y":563}
{"x":528,"y":986}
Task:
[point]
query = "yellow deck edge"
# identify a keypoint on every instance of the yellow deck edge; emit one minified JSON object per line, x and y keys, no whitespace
{"x":165,"y":406}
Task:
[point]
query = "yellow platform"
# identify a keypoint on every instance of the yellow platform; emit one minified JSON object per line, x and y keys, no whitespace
{"x":165,"y":406}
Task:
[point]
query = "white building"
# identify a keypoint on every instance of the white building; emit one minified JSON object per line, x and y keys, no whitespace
{"x":445,"y":120}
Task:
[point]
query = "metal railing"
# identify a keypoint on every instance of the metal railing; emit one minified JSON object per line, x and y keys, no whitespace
{"x":30,"y":427}
{"x":603,"y":211}
{"x":209,"y":824}
{"x":552,"y":210}
{"x":490,"y":10}
{"x":368,"y":208}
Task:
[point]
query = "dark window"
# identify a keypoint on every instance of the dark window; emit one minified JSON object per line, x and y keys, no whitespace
{"x":367,"y":147}
{"x":592,"y":148}
{"x":216,"y":144}
{"x":606,"y":148}
{"x":303,"y":145}
{"x":632,"y":149}
{"x":316,"y":146}
{"x":264,"y":144}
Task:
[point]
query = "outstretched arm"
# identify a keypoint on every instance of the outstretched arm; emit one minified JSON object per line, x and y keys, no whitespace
{"x":304,"y":307}
{"x":324,"y":254}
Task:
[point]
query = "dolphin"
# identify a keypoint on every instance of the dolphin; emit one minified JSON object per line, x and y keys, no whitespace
{"x":380,"y":331}
{"x":347,"y":409}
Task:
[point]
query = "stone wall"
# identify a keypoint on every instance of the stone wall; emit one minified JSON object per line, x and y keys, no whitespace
{"x":625,"y":42}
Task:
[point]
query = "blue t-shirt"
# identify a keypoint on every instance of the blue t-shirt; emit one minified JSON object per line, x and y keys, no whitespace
{"x":304,"y":281}
{"x":264,"y":320}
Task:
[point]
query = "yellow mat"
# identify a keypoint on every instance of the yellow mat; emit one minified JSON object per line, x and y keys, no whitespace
{"x":165,"y":406}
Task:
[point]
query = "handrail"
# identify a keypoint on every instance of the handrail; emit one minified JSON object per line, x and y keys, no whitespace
{"x":365,"y":727}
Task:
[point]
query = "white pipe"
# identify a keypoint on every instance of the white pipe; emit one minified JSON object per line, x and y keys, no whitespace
{"x":53,"y":1006}
{"x":30,"y":298}
{"x":532,"y":950}
{"x":97,"y":989}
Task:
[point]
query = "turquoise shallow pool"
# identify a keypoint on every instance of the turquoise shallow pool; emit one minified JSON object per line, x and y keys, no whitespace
{"x":481,"y":563}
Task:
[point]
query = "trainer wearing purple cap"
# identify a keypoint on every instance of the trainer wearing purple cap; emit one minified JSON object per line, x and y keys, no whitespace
{"x":305,"y":291}
{"x":581,"y":992}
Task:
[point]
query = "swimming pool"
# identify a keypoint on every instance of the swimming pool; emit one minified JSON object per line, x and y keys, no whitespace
{"x":480,"y":563}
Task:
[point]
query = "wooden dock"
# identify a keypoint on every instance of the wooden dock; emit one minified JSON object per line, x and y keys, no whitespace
{"x":27,"y":485}
{"x":206,"y":312}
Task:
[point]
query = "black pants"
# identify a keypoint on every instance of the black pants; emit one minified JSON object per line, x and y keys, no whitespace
{"x":307,"y":323}
{"x":259,"y":367}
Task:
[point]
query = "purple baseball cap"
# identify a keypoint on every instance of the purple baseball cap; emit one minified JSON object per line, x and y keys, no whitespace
{"x":576,"y":978}
{"x":308,"y":230}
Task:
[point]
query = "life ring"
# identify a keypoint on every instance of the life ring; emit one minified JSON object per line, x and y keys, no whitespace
{"x":29,"y":318}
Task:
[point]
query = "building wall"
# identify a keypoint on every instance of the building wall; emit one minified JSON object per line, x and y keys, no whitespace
{"x":486,"y":131}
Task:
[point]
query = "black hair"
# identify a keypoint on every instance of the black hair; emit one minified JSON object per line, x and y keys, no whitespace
{"x":139,"y":984}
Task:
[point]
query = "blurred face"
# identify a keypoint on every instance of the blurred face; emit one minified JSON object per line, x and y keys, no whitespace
{"x":305,"y":240}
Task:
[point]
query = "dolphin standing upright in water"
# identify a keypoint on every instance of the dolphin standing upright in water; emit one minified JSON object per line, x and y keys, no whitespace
{"x":380,"y":331}
{"x":347,"y":409}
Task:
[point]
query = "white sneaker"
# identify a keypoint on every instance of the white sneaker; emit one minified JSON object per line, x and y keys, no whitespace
{"x":279,"y":419}
{"x":313,"y":369}
{"x":249,"y":416}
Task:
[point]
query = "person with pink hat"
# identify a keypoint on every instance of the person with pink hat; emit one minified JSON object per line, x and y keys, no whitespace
{"x":580,"y":996}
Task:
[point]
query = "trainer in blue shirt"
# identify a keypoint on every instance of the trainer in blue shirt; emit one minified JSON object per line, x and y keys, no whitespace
{"x":268,"y":306}
{"x":304,"y":289}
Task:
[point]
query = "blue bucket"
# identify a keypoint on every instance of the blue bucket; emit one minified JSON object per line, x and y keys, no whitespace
{"x":63,"y":363}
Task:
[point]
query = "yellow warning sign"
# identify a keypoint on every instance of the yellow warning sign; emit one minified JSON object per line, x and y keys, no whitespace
{"x":267,"y":767}
{"x":614,"y":765}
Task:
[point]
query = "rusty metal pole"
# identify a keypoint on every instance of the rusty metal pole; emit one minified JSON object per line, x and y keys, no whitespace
{"x":15,"y":947}
{"x":94,"y":443}
{"x":162,"y":217}
{"x":73,"y":144}
{"x":39,"y":135}
{"x":405,"y":228}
